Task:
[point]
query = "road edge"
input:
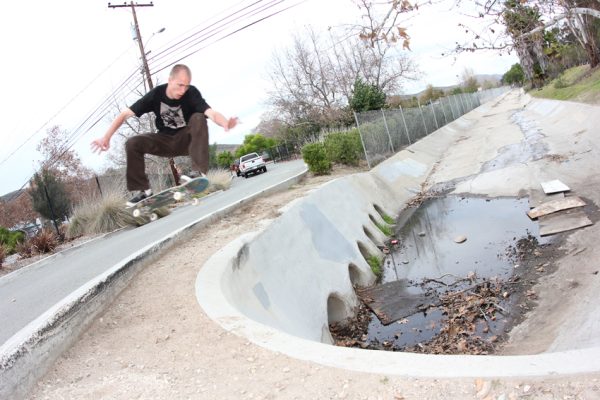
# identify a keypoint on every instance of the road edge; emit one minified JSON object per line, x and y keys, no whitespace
{"x":30,"y":353}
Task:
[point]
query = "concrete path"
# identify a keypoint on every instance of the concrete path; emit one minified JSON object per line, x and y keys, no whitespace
{"x":29,"y":292}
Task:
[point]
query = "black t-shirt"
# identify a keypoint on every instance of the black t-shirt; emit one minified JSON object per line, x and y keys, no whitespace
{"x":171,"y":115}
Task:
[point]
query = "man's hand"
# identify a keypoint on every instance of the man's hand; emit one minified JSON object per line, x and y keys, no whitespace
{"x":100,"y":145}
{"x":231,"y":123}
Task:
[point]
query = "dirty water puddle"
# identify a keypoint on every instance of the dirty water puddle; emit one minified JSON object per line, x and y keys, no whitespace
{"x":455,"y":280}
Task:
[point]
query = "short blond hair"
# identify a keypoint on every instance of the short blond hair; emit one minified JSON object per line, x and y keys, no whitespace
{"x":180,"y":68}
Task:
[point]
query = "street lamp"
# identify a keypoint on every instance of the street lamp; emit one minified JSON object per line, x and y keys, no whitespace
{"x":161,"y":30}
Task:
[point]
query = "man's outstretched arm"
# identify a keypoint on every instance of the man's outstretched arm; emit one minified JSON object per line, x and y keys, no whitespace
{"x":220,"y":120}
{"x":103,"y":143}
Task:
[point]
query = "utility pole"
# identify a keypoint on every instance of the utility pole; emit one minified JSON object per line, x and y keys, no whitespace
{"x":145,"y":64}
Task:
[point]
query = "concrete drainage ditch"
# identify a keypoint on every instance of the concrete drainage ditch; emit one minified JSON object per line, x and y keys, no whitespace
{"x":457,"y":275}
{"x":284,"y":286}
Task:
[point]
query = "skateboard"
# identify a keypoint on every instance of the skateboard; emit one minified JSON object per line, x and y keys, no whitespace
{"x":148,"y":206}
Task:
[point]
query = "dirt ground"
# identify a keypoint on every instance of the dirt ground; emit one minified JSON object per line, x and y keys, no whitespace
{"x":155,"y":342}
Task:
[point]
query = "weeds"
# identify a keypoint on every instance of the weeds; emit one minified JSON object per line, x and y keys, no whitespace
{"x":375,"y":264}
{"x":385,"y":229}
{"x":25,"y":249}
{"x":388,"y":220}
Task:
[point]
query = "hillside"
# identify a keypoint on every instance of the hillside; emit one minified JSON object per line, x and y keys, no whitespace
{"x":579,"y":83}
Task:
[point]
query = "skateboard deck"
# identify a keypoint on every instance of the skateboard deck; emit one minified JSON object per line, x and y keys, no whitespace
{"x":148,"y":206}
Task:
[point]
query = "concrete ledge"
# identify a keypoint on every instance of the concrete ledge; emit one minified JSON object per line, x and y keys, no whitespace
{"x":28,"y":355}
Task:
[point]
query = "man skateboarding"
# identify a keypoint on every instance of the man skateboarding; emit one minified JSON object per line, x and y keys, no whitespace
{"x":180,"y":120}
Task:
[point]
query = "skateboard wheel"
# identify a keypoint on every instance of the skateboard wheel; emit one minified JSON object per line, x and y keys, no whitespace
{"x":137,"y":213}
{"x":153,"y":217}
{"x":178,"y":196}
{"x":195,"y":202}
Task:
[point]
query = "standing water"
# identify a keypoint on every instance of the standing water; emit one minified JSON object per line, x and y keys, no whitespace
{"x":432,"y":258}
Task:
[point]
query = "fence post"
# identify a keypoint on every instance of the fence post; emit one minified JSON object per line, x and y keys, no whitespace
{"x":462,"y":103}
{"x":469,"y":99}
{"x":457,"y":107}
{"x":388,"y":131}
{"x":361,"y":139}
{"x":422,"y":116}
{"x":451,"y":108}
{"x":405,"y":127}
{"x":434,"y":117}
{"x":443,"y":111}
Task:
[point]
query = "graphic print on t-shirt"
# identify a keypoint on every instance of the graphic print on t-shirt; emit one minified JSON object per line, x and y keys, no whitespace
{"x":172,"y":116}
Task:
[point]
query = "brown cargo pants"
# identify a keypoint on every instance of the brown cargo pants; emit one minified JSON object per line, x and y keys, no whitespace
{"x":190,"y":140}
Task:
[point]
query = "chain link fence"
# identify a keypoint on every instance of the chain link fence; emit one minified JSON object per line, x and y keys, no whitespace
{"x":385,"y":132}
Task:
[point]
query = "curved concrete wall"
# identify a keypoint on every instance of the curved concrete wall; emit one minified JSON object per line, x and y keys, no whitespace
{"x":297,"y":275}
{"x":282,"y":286}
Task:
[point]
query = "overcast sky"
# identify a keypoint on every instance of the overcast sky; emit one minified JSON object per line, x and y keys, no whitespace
{"x":63,"y":59}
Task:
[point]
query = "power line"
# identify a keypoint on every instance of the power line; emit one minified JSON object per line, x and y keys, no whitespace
{"x":100,"y":111}
{"x":65,"y":106}
{"x":183,"y":42}
{"x":231,"y":33}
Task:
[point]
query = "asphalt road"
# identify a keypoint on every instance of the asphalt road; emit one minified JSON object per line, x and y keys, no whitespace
{"x":27,"y":293}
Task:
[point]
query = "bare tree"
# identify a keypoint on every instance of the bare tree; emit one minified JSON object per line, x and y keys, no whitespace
{"x":313,"y":79}
{"x":304,"y":81}
{"x":382,"y":23}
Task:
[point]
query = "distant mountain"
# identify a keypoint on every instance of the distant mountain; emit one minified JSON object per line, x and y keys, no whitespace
{"x":227,"y":147}
{"x":489,"y":77}
{"x":481,"y":78}
{"x":11,"y":196}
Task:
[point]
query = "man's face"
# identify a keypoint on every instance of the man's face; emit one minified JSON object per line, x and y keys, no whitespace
{"x":178,"y":85}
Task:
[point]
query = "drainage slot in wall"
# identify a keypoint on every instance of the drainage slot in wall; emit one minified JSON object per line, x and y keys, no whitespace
{"x":458,"y":276}
{"x":355,"y":275}
{"x":370,"y":235}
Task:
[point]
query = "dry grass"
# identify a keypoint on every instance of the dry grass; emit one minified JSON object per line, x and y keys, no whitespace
{"x":3,"y":254}
{"x":44,"y":242}
{"x":25,"y":249}
{"x":100,"y":215}
{"x":220,"y":179}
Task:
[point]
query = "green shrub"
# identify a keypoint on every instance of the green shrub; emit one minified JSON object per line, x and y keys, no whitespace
{"x":560,"y":83}
{"x":10,"y":239}
{"x":344,"y":147}
{"x":315,"y":157}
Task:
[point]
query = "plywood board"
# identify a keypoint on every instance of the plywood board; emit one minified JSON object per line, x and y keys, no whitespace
{"x":538,"y":197}
{"x":563,"y":221}
{"x":392,"y":301}
{"x":554,"y":186}
{"x":553,"y":206}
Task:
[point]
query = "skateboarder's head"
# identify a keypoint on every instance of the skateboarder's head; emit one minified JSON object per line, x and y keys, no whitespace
{"x":179,"y":81}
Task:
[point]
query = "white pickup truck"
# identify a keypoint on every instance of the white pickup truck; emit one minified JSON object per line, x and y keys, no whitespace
{"x":251,"y":163}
